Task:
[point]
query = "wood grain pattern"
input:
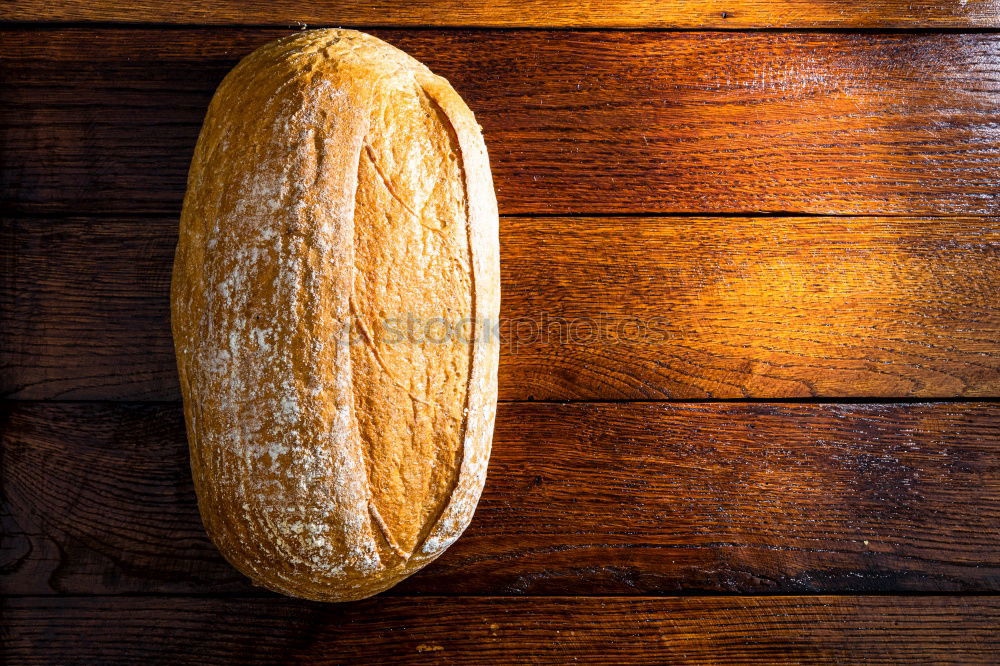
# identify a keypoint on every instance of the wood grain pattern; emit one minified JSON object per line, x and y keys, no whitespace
{"x":730,"y":14}
{"x":678,"y":308}
{"x":576,"y":122}
{"x":804,"y":630}
{"x":581,"y":498}
{"x":624,"y":499}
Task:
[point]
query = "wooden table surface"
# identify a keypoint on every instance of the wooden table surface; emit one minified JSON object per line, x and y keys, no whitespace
{"x":776,"y":439}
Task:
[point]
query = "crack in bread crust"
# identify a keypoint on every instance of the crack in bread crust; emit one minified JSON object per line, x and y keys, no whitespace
{"x":413,"y":455}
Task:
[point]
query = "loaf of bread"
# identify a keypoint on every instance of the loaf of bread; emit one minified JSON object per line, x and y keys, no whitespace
{"x":334,"y":300}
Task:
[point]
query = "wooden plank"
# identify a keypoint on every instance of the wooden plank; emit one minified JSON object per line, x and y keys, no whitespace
{"x":104,"y":121}
{"x":593,"y":308}
{"x":581,"y":498}
{"x":713,"y":630}
{"x":739,"y":14}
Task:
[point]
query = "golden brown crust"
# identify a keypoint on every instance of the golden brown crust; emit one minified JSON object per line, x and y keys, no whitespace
{"x":337,"y":181}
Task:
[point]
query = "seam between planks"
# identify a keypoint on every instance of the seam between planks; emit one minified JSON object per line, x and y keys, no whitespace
{"x":56,"y":216}
{"x":153,"y":25}
{"x":623,"y":597}
{"x":861,"y":400}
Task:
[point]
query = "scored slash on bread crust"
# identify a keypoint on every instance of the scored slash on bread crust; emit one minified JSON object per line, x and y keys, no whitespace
{"x":337,"y":185}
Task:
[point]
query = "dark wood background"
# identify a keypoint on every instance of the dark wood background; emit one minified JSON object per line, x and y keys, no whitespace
{"x":797,"y":201}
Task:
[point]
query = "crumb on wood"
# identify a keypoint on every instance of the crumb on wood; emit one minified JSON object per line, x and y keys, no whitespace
{"x":424,"y":647}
